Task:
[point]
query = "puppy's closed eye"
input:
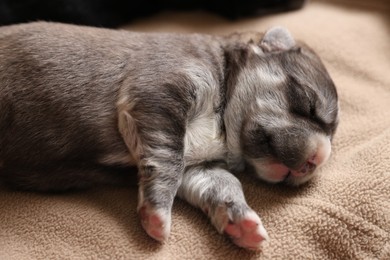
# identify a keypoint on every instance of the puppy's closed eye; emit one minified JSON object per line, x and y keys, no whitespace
{"x":305,"y":103}
{"x":301,"y":99}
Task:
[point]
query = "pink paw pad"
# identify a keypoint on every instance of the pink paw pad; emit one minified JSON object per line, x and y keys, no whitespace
{"x":248,"y":232}
{"x":156,"y":224}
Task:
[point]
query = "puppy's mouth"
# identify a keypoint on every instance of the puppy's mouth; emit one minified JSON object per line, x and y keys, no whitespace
{"x":303,"y":174}
{"x":287,"y":177}
{"x":280,"y":173}
{"x":290,"y":176}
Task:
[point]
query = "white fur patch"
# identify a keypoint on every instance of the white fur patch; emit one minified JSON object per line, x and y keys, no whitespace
{"x":128,"y":128}
{"x":272,"y":115}
{"x":323,"y":148}
{"x":202,"y":140}
{"x":256,"y":49}
{"x":269,"y":77}
{"x":195,"y":186}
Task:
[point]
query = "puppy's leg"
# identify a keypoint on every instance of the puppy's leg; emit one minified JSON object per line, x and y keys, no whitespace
{"x":159,"y":179}
{"x":158,"y":148}
{"x":219,"y":194}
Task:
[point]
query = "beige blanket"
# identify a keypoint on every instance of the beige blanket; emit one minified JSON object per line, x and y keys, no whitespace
{"x":343,"y":214}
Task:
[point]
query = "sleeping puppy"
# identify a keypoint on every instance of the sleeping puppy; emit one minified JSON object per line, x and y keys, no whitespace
{"x":80,"y":105}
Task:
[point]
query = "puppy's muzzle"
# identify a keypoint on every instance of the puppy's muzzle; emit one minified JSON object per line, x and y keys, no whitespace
{"x":306,"y":168}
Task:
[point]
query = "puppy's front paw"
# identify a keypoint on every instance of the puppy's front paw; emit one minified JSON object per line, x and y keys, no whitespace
{"x":156,"y":222}
{"x":245,"y":229}
{"x":247,"y":232}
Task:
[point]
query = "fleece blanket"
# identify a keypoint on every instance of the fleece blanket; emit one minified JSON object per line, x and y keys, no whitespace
{"x":342,"y":214}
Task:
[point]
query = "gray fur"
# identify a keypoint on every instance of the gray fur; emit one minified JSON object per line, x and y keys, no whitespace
{"x":80,"y":105}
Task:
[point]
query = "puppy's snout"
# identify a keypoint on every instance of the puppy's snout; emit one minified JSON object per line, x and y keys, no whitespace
{"x":320,"y":156}
{"x":305,"y":169}
{"x":308,"y":167}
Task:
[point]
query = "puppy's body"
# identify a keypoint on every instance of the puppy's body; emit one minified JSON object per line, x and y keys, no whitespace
{"x":73,"y":83}
{"x":80,"y":105}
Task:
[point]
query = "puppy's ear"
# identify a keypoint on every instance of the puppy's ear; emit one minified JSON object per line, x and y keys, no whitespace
{"x":277,"y":39}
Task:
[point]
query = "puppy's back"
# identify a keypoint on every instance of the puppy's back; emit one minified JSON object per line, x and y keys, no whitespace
{"x":58,"y":87}
{"x":59,"y":84}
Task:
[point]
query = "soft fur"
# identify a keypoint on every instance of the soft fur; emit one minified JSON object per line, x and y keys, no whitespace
{"x":81,"y":105}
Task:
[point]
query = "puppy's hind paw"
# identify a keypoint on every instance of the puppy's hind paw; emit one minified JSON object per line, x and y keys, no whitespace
{"x":247,"y":232}
{"x":156,"y":222}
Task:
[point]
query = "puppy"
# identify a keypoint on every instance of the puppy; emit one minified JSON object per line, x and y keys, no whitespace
{"x":80,"y":105}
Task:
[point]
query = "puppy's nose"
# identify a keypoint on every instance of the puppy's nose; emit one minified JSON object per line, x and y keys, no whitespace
{"x":308,"y":167}
{"x":305,"y":169}
{"x":319,"y":156}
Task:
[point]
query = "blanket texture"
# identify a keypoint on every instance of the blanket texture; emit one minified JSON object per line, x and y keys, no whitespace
{"x":342,"y":214}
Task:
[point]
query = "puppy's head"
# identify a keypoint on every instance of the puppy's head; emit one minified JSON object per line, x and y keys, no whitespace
{"x":292,"y":109}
